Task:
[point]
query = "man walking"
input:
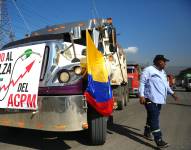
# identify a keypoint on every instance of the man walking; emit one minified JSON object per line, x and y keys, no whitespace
{"x":153,"y":91}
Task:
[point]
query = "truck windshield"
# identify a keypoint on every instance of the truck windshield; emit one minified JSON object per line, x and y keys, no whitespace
{"x":62,"y":36}
{"x":130,"y":70}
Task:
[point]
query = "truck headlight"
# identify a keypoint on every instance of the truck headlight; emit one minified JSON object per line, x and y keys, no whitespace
{"x":78,"y":70}
{"x":63,"y":77}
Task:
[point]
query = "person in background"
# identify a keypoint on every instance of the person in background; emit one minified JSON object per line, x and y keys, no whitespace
{"x":153,"y":91}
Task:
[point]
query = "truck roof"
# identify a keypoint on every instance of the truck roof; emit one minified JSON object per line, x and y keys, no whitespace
{"x":66,"y":27}
{"x":32,"y":40}
{"x":58,"y":31}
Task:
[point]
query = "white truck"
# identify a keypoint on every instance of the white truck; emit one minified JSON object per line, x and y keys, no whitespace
{"x":104,"y":35}
{"x":61,"y":102}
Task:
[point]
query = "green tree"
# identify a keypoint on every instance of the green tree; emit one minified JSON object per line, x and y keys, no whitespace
{"x":183,"y":73}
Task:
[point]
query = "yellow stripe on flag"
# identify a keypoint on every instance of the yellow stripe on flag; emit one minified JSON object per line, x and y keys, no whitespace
{"x":95,"y":61}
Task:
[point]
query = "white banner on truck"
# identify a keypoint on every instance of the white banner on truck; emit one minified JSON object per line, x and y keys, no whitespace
{"x":19,"y":76}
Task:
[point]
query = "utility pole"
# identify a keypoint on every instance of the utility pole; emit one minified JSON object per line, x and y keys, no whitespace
{"x":6,"y":32}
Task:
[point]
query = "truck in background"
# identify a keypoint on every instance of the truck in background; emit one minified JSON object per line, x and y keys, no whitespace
{"x":133,"y":71}
{"x":187,"y":82}
{"x":61,"y":103}
{"x":119,"y":81}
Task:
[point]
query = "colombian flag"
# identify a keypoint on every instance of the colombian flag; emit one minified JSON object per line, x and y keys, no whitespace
{"x":98,"y":92}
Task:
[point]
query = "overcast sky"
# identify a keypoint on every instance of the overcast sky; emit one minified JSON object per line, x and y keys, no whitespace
{"x":145,"y":27}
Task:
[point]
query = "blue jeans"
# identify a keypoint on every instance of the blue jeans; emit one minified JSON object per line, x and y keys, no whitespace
{"x":153,"y":114}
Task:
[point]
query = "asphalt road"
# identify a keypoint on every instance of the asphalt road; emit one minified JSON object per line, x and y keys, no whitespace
{"x":124,"y":134}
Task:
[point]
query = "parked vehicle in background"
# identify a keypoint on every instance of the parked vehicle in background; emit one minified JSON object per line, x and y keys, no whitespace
{"x":119,"y":82}
{"x":187,"y":82}
{"x":178,"y":82}
{"x":133,"y":71}
{"x":172,"y":81}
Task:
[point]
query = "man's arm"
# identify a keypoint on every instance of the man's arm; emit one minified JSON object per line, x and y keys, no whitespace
{"x":172,"y":93}
{"x":143,"y":80}
{"x":176,"y":98}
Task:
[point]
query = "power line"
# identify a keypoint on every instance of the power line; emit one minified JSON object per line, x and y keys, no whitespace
{"x":30,"y":14}
{"x":95,"y":9}
{"x":28,"y":8}
{"x":22,"y":17}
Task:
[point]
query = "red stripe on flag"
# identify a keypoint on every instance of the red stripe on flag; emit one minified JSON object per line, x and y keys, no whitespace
{"x":104,"y":108}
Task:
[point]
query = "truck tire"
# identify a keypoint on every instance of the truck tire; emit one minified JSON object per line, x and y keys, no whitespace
{"x":121,"y":98}
{"x":97,"y":127}
{"x":137,"y":95}
{"x":126,"y":93}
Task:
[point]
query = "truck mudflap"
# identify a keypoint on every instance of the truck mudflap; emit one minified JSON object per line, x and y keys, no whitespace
{"x":55,"y":113}
{"x":121,"y":96}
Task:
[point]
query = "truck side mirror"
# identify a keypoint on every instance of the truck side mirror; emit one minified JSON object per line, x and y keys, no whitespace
{"x":76,"y":32}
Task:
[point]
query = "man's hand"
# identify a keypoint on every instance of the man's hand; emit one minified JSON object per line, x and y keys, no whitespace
{"x":176,"y":98}
{"x":142,"y":100}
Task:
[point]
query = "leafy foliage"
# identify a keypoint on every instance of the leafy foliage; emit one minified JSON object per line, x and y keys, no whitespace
{"x":183,"y":73}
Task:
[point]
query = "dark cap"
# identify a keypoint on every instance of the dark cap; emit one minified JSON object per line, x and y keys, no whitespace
{"x":160,"y":57}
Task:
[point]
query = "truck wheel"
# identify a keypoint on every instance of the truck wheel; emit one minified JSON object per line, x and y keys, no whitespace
{"x":137,"y":95}
{"x":121,"y":100}
{"x":126,"y":93}
{"x":97,"y":127}
{"x":120,"y":104}
{"x":187,"y":89}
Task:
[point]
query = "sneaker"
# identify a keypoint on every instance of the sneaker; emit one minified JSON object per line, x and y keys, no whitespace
{"x":148,"y":136}
{"x":161,"y":144}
